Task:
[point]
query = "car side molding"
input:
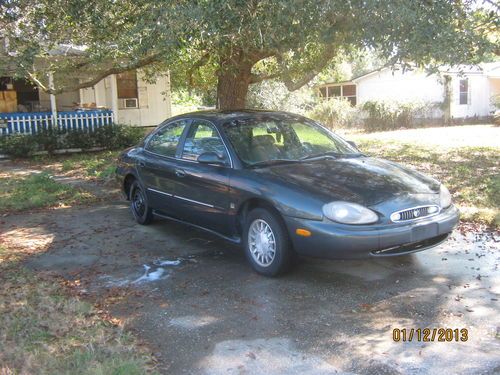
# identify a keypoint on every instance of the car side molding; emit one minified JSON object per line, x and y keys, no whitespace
{"x":235,"y":240}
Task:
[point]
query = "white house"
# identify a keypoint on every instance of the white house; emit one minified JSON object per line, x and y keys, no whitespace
{"x":471,"y":89}
{"x":126,"y":98}
{"x":132,"y":100}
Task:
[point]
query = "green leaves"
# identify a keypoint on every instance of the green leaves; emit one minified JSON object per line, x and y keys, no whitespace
{"x":297,"y":38}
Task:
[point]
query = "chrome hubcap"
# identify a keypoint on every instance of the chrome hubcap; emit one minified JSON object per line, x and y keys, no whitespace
{"x":262,"y":243}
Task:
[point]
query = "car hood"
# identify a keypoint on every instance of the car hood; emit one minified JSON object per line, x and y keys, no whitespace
{"x":363,"y":180}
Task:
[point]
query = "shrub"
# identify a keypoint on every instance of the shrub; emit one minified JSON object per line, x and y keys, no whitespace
{"x":109,"y":137}
{"x":118,"y":136}
{"x":49,"y":140}
{"x":105,"y":136}
{"x":19,"y":145}
{"x":495,"y":101}
{"x":126,"y":136}
{"x":335,"y":113}
{"x":388,"y":115}
{"x":79,"y":139}
{"x":380,"y":116}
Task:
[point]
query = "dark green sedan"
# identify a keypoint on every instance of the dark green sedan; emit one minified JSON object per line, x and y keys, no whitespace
{"x":282,"y":185}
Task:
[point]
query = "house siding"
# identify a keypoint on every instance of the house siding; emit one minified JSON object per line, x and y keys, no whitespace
{"x":479,"y":102}
{"x":417,"y":86}
{"x":154,"y":100}
{"x":399,"y":86}
{"x":154,"y":103}
{"x":64,"y":102}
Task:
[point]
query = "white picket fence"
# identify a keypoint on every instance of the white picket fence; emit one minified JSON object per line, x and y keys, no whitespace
{"x":32,"y":123}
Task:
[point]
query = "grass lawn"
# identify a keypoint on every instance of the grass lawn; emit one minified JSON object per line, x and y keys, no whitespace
{"x":37,"y":190}
{"x":31,"y":184}
{"x":472,"y":173}
{"x":46,"y":330}
{"x":93,"y":165}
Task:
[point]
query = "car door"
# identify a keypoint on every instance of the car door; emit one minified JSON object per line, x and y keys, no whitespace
{"x":158,"y":165}
{"x":203,"y":189}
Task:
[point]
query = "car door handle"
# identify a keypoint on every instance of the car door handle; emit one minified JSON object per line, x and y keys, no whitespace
{"x":180,"y":173}
{"x":142,"y":164}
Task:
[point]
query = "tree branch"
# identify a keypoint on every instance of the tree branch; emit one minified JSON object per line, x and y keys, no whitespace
{"x":256,"y":78}
{"x":197,"y":65}
{"x":36,"y":81}
{"x":321,"y":63}
{"x":99,"y":77}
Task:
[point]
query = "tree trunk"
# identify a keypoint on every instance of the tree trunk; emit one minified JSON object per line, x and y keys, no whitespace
{"x":233,"y":81}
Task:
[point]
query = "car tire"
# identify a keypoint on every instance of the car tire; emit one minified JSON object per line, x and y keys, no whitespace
{"x":266,"y":243}
{"x":139,"y":204}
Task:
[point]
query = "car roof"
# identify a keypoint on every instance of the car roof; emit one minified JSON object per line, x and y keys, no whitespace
{"x":223,"y":116}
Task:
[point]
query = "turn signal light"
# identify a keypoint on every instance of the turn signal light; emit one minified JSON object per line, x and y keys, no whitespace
{"x":303,"y":232}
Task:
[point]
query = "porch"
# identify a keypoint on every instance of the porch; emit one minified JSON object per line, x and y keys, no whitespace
{"x":125,"y":98}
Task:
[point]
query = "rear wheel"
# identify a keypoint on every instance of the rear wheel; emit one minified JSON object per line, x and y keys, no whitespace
{"x":266,"y":243}
{"x":139,"y":205}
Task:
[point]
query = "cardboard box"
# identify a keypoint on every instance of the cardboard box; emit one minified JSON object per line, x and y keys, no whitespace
{"x":8,"y":101}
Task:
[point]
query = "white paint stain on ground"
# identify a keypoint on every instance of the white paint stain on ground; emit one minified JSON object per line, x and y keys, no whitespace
{"x":149,"y":276}
{"x":163,"y":263}
{"x":264,"y":356}
{"x":151,"y":273}
{"x":192,"y":321}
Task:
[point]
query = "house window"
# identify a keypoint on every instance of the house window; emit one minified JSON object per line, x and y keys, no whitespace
{"x":127,"y":89}
{"x":464,"y":91}
{"x":347,"y":91}
{"x":334,"y":91}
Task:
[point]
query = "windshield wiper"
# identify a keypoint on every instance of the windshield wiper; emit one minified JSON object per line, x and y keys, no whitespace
{"x":323,"y":155}
{"x":267,"y":163}
{"x":328,"y":155}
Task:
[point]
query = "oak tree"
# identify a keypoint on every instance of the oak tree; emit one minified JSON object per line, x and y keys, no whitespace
{"x":234,"y":43}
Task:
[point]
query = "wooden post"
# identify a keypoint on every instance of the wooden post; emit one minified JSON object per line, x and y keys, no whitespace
{"x":447,"y":99}
{"x":96,"y":94}
{"x":53,"y":106}
{"x":114,"y":97}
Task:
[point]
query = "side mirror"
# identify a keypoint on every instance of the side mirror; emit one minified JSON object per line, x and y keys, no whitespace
{"x":212,"y":158}
{"x":353,"y":144}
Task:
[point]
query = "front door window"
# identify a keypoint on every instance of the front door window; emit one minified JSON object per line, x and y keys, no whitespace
{"x":165,"y":141}
{"x":203,"y":137}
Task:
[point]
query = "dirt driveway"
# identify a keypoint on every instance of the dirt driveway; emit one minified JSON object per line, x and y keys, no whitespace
{"x":201,"y":309}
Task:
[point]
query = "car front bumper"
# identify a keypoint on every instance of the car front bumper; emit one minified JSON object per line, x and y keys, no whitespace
{"x":339,"y":241}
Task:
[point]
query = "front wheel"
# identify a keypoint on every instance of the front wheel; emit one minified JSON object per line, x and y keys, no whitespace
{"x":266,"y":242}
{"x":139,"y":205}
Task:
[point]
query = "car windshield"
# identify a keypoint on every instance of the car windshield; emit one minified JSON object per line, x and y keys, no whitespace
{"x":263,"y":141}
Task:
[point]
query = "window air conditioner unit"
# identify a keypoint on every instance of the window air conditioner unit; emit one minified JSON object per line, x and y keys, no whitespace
{"x":129,"y":103}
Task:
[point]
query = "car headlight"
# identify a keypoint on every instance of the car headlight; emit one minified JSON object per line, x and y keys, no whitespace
{"x":349,"y":213}
{"x":444,"y":197}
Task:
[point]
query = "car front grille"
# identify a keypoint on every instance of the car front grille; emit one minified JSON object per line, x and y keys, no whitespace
{"x":414,"y":213}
